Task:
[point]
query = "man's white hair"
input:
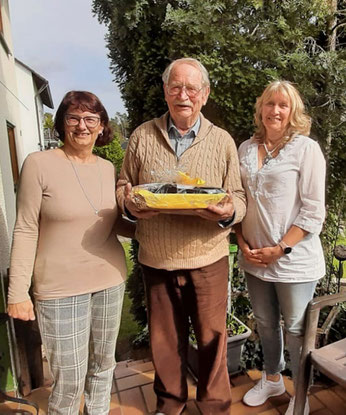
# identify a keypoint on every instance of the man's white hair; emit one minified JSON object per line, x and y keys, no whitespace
{"x":190,"y":61}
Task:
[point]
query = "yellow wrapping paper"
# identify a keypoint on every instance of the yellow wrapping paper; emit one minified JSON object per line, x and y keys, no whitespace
{"x":146,"y":199}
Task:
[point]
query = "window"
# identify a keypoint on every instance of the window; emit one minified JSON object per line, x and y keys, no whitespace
{"x":13,"y":153}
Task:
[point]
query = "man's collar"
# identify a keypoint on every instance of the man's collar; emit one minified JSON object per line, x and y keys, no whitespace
{"x":195,"y":128}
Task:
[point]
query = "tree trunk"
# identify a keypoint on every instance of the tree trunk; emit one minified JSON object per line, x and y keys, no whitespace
{"x":331,"y":47}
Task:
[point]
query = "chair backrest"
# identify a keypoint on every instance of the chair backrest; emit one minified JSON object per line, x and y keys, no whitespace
{"x":328,"y":359}
{"x":312,"y":316}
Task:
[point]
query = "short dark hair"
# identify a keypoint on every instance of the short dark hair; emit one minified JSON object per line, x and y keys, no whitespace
{"x":84,"y":101}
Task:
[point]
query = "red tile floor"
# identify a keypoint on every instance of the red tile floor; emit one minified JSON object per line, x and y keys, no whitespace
{"x":132,"y":394}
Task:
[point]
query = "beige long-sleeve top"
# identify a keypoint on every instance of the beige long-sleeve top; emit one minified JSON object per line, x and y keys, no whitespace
{"x":58,"y":239}
{"x":176,"y":241}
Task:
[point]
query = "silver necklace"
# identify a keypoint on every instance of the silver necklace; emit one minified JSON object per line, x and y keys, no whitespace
{"x":96,"y":211}
{"x":269,"y":156}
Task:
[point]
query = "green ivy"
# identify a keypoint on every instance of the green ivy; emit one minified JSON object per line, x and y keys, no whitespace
{"x":112,"y":152}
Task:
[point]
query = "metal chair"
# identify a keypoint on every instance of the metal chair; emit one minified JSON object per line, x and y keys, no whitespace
{"x":329,"y":360}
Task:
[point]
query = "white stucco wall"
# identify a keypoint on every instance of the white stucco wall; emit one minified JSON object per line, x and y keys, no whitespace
{"x":27,"y":92}
{"x":9,"y":113}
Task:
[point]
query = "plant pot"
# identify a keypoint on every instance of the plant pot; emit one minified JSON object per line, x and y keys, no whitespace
{"x":235,"y":345}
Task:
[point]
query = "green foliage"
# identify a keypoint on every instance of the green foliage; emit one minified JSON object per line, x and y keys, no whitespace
{"x":48,"y":126}
{"x":341,"y":241}
{"x":48,"y":122}
{"x":243,"y":44}
{"x":128,"y":327}
{"x":142,"y":338}
{"x":128,"y":258}
{"x":120,"y":126}
{"x":135,"y":288}
{"x":138,"y":52}
{"x":337,"y":331}
{"x":233,"y":326}
{"x":252,"y":356}
{"x":112,"y":152}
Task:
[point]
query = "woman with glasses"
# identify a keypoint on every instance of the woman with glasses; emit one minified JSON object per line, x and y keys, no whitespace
{"x":65,"y":237}
{"x":283,"y":173}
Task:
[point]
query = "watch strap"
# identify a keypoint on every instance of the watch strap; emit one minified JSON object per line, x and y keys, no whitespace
{"x":286,"y":248}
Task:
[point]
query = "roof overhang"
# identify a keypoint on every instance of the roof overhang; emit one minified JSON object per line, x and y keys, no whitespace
{"x":41,"y":84}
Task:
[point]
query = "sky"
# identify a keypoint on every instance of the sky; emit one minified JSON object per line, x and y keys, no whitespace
{"x":64,"y":43}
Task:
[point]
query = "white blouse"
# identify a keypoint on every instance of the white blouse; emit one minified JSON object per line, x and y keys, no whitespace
{"x":288,"y":190}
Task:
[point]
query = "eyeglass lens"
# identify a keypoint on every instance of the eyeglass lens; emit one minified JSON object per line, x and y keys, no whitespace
{"x":190,"y":90}
{"x":74,"y":120}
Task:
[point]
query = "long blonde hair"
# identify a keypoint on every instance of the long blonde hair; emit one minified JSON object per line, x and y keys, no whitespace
{"x":299,"y":122}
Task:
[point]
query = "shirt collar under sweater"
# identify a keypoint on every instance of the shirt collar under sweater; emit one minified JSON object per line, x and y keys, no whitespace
{"x":204,"y":129}
{"x":180,"y":142}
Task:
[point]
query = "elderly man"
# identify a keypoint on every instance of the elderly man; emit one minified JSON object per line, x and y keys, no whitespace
{"x":184,"y":257}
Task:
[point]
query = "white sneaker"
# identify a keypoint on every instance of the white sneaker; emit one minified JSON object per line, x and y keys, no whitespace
{"x":291,"y":407}
{"x":263,"y":390}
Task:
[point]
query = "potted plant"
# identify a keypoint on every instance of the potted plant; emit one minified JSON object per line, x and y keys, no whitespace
{"x":237,"y":332}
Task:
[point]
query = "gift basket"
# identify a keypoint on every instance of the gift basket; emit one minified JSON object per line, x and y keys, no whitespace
{"x":177,"y":197}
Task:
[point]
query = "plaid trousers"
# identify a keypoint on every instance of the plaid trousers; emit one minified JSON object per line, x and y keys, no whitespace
{"x":79,"y":336}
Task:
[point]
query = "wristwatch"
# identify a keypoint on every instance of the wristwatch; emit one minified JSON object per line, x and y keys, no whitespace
{"x":287,"y":249}
{"x":227,"y":223}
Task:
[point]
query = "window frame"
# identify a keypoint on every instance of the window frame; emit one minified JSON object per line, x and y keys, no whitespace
{"x":11,"y":134}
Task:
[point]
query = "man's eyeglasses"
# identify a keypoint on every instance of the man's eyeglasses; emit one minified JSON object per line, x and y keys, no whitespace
{"x":74,"y":120}
{"x":191,"y":90}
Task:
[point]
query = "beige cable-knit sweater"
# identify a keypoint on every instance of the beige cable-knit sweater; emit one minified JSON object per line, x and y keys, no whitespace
{"x":176,"y":241}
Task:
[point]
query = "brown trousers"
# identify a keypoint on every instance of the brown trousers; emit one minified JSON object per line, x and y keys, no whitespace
{"x":173,"y":297}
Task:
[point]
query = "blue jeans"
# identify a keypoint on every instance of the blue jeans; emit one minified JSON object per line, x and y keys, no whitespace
{"x":271,"y":299}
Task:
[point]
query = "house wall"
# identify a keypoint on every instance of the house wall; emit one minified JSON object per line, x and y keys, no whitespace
{"x":21,"y":108}
{"x":9,"y":113}
{"x":31,"y":131}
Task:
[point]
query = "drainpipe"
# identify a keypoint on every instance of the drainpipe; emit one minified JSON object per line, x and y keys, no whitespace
{"x":41,"y":140}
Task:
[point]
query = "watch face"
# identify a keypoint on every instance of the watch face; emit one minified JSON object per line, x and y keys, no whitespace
{"x":287,"y":250}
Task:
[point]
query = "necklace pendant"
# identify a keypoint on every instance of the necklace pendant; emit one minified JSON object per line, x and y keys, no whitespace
{"x":267,"y":159}
{"x":96,"y":212}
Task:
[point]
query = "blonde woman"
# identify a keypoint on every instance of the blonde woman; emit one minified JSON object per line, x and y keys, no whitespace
{"x":283,"y":173}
